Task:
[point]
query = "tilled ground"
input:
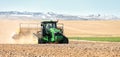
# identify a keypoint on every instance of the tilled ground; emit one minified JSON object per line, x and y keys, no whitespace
{"x":74,"y":49}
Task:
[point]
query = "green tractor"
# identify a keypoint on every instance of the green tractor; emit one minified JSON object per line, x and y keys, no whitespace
{"x":50,"y":33}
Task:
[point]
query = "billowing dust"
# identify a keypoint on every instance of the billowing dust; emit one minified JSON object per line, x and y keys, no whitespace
{"x":12,"y":33}
{"x":25,"y":34}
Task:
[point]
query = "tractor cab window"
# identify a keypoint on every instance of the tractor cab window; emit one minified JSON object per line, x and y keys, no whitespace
{"x":50,"y":25}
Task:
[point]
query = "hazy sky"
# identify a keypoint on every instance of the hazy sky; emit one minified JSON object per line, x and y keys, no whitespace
{"x":74,"y":7}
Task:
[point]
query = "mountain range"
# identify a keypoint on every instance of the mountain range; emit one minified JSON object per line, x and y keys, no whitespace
{"x":51,"y":15}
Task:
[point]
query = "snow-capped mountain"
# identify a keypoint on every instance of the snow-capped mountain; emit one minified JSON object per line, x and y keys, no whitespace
{"x":51,"y":15}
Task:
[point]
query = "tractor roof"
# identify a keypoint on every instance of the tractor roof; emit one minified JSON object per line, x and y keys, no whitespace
{"x":49,"y":21}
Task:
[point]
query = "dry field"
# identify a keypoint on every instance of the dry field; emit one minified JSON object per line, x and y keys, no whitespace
{"x":74,"y":49}
{"x":26,"y":45}
{"x":71,"y":29}
{"x":92,"y":28}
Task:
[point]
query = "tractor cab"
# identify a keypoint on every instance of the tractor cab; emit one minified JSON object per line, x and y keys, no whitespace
{"x":46,"y":25}
{"x":49,"y":24}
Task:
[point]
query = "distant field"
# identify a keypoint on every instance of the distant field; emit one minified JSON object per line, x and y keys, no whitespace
{"x":109,"y":39}
{"x":108,"y":28}
{"x":72,"y":28}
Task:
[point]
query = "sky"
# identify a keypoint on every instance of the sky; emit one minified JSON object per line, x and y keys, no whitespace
{"x":72,"y":7}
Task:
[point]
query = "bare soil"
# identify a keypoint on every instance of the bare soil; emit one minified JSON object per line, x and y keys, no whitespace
{"x":73,"y":49}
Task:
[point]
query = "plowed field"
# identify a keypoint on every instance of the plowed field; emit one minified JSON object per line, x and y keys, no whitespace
{"x":74,"y":49}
